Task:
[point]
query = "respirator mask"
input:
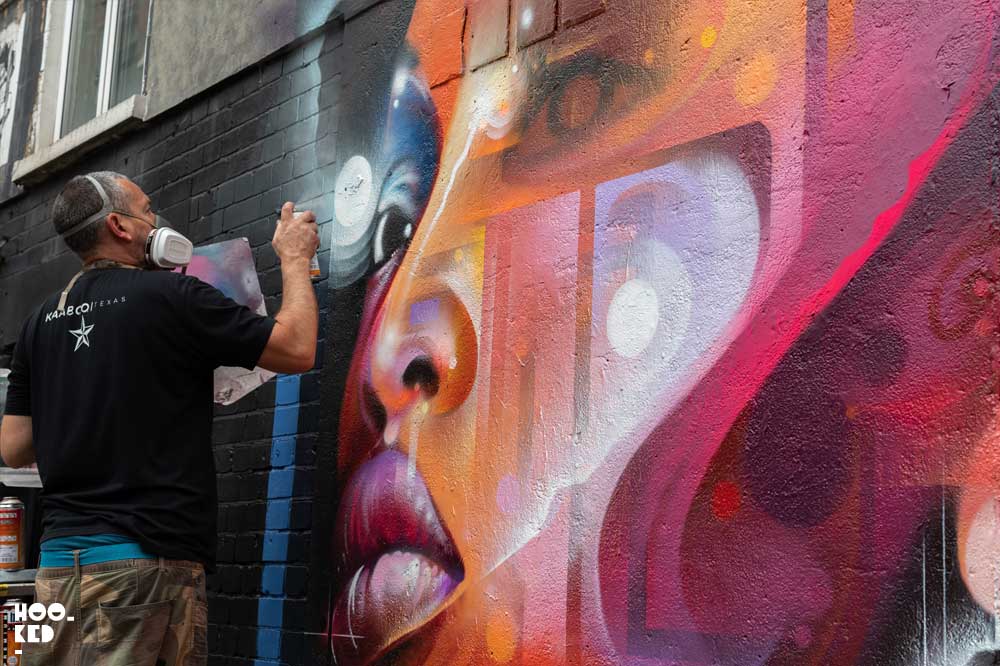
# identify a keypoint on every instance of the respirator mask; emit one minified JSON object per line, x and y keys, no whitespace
{"x":165,"y":247}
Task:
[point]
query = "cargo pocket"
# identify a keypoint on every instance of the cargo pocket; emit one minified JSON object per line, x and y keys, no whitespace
{"x":64,"y":640}
{"x":132,"y":635}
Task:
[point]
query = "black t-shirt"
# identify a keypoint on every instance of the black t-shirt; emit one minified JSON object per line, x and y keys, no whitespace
{"x":119,"y":389}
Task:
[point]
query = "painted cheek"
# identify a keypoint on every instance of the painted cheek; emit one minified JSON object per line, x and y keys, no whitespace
{"x":524,"y":420}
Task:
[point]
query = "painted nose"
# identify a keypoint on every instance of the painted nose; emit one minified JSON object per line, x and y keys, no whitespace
{"x":422,"y":375}
{"x":425,"y":352}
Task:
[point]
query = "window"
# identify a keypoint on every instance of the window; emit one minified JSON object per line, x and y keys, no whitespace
{"x":104,"y":53}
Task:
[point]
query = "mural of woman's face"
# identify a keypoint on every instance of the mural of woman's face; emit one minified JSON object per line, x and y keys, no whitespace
{"x":587,"y":246}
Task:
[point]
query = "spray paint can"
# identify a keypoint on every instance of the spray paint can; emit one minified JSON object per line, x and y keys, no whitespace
{"x":12,"y":544}
{"x":314,"y":271}
{"x":11,"y":647}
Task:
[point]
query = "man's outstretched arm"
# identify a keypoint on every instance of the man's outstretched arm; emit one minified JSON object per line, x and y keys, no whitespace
{"x":292,"y":345}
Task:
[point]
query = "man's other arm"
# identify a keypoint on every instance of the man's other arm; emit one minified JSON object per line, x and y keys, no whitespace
{"x":292,"y":345}
{"x":16,"y":446}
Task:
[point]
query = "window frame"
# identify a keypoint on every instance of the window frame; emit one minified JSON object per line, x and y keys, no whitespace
{"x":109,"y":46}
{"x":51,"y":148}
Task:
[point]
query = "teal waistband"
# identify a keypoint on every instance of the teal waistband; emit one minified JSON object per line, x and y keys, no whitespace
{"x":94,"y":549}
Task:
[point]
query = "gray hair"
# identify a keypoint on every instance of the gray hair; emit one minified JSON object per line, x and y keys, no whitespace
{"x":79,"y":200}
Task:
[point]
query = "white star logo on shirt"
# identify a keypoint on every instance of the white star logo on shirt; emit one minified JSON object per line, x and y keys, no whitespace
{"x":81,"y":334}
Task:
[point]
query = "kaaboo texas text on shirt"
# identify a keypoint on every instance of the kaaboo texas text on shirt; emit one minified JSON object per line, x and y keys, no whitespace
{"x":82,"y":308}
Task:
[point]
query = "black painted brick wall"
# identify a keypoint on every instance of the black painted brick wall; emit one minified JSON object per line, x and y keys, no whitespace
{"x":217,"y":167}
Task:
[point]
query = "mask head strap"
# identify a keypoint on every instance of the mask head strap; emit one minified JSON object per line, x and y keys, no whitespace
{"x":106,"y":208}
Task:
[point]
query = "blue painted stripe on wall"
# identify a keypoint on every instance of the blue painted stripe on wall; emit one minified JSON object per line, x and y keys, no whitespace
{"x":286,"y":420}
{"x":278,"y":510}
{"x":269,"y":612}
{"x":275,"y":547}
{"x":287,"y":390}
{"x":268,"y":643}
{"x":280,"y":482}
{"x":282,"y":451}
{"x":272,"y":581}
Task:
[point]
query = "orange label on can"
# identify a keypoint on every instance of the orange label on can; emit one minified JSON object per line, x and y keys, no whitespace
{"x":11,"y":549}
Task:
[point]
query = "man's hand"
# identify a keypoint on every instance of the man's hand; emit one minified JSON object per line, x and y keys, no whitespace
{"x":16,"y":443}
{"x":292,"y":345}
{"x":296,"y":236}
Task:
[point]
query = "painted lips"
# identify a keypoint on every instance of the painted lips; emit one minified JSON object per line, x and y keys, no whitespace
{"x":401,"y":564}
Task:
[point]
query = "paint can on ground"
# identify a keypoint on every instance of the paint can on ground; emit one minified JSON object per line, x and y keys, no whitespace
{"x":11,"y":647}
{"x":12,"y":546}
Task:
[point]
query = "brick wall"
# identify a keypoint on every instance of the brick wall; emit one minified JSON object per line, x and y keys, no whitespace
{"x":217,"y":167}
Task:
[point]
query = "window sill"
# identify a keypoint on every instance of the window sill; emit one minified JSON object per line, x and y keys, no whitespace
{"x":68,"y":149}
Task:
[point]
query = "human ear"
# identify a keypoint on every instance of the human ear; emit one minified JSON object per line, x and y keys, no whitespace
{"x":117,"y":228}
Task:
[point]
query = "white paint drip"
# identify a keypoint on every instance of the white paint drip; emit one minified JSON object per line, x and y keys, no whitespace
{"x":350,"y":606}
{"x":996,"y":573}
{"x":447,"y":192}
{"x":944,"y":579}
{"x":411,"y":461}
{"x":923,"y":590}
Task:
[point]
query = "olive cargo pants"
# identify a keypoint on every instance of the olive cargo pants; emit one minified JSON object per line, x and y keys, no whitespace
{"x":143,"y":612}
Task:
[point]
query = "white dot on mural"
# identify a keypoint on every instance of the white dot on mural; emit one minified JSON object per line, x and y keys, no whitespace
{"x":353,"y":201}
{"x":395,"y":103}
{"x":633,"y":317}
{"x":981,"y":555}
{"x":399,"y":81}
{"x":498,"y":122}
{"x":527,"y":17}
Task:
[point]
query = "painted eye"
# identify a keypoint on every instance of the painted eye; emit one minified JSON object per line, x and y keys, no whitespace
{"x":583,"y":95}
{"x":380,"y":195}
{"x":579,"y":92}
{"x":567,"y":100}
{"x":393,"y":232}
{"x":400,"y":206}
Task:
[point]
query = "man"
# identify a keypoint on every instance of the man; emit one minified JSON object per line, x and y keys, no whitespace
{"x":111,"y":392}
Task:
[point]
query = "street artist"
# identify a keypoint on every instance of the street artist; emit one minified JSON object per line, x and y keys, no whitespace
{"x":110,"y":392}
